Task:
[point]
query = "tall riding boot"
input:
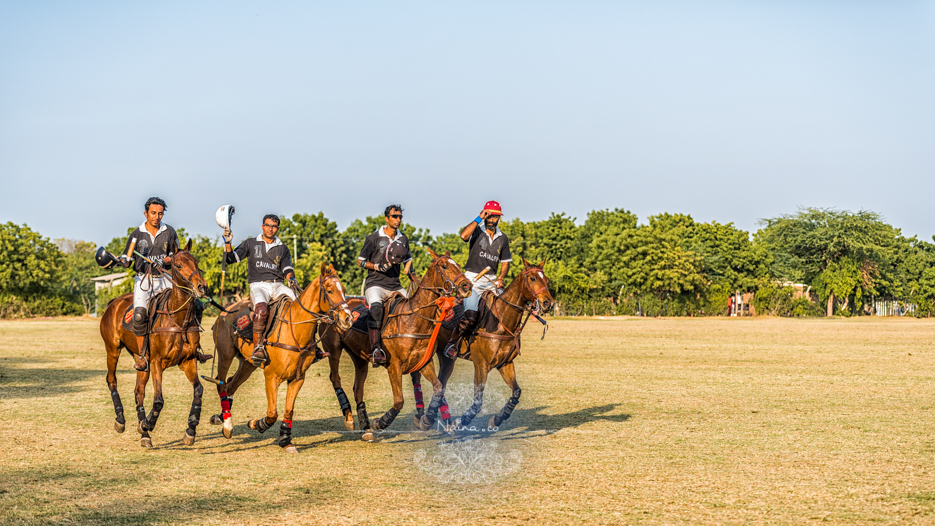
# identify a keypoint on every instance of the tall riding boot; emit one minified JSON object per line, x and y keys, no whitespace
{"x":259,"y":357}
{"x":379,"y":356}
{"x":464,"y":326}
{"x":140,"y":329}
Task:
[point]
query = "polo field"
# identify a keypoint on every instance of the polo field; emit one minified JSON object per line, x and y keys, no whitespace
{"x":622,"y":420}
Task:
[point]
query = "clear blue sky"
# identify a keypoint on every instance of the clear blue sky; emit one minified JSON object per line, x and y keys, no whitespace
{"x":728,"y":111}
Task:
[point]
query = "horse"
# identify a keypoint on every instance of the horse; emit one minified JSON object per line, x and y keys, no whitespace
{"x":406,"y":334}
{"x":174,"y":339}
{"x":496,"y":342}
{"x":291,"y":342}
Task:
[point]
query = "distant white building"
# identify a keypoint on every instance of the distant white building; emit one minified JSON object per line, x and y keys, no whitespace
{"x":108,"y":281}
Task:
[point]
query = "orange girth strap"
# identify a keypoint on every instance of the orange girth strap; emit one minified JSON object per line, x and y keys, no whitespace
{"x":444,"y":304}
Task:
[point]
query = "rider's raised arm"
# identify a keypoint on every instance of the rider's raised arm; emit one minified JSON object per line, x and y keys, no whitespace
{"x":240,"y":253}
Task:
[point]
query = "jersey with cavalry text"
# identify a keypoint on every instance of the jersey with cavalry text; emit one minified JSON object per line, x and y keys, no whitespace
{"x":164,"y":243}
{"x":486,"y":251}
{"x":267,"y":261}
{"x":374,"y":251}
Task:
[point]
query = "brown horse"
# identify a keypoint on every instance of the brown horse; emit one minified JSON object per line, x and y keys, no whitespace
{"x":496,"y":342}
{"x":291,"y":342}
{"x":174,"y":339}
{"x":406,"y":333}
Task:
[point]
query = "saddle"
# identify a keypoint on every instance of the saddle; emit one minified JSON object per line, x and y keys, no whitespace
{"x":483,"y":321}
{"x":240,"y":316}
{"x":157,"y":308}
{"x":156,"y":303}
{"x":363,"y":313}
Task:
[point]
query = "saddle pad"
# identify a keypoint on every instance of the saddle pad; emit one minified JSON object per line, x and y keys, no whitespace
{"x":453,"y":317}
{"x":360,"y":314}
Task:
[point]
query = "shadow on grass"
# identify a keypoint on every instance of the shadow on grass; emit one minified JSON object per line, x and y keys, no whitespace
{"x":33,"y":382}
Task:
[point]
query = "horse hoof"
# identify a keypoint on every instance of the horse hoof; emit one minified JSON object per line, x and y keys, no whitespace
{"x":146,"y":442}
{"x":189,"y":440}
{"x":424,"y":424}
{"x":216,"y":420}
{"x":228,"y":428}
{"x":118,"y":427}
{"x":290,"y":449}
{"x":349,"y":422}
{"x":492,"y":424}
{"x":367,"y":436}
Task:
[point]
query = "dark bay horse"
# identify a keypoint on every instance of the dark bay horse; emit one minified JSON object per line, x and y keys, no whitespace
{"x":174,"y":340}
{"x":497,"y":340}
{"x":406,"y":334}
{"x":291,"y":342}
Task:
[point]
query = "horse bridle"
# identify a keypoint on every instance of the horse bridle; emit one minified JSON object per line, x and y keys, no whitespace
{"x":448,"y":287}
{"x":332,"y":306}
{"x":524,"y":283}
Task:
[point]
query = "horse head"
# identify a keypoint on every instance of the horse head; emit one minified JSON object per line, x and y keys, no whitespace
{"x":446,"y":275}
{"x":536,"y":286}
{"x":185,"y":272}
{"x":332,"y":290}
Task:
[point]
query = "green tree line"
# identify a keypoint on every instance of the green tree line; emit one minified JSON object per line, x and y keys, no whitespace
{"x":611,"y":263}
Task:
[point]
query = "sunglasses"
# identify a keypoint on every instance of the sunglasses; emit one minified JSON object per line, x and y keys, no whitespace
{"x":396,"y":216}
{"x":271,"y":226}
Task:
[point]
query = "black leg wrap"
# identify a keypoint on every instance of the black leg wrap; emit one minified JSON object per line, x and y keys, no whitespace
{"x":434,"y":405}
{"x":384,"y":421}
{"x":285,"y":435}
{"x":508,"y":408}
{"x":262,"y":426}
{"x":141,"y":413}
{"x":118,"y":407}
{"x":194,"y":416}
{"x":362,"y":416}
{"x":154,"y":414}
{"x":342,"y":399}
{"x":472,"y":411}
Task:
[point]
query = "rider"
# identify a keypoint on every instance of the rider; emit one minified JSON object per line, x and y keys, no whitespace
{"x":488,"y":248}
{"x":156,"y":241}
{"x":269,"y":261}
{"x":382,"y":254}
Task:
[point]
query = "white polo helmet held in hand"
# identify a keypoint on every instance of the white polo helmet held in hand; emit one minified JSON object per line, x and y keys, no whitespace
{"x":224,"y":215}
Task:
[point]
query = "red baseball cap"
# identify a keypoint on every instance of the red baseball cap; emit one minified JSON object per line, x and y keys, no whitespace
{"x":493,"y":207}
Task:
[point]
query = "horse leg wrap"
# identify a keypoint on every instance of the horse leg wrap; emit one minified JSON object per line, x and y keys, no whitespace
{"x":445,"y":411}
{"x":226,"y":403}
{"x":285,"y":433}
{"x":434,"y":404}
{"x":154,"y":414}
{"x":417,"y":391}
{"x":508,"y":408}
{"x":118,"y":407}
{"x":342,"y":400}
{"x":362,"y":416}
{"x":262,"y":425}
{"x":384,"y":421}
{"x":141,"y":416}
{"x":194,"y":416}
{"x":473,"y":410}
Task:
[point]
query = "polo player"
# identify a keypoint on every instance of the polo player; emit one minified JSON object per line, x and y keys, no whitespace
{"x":488,"y":248}
{"x":383,"y":253}
{"x":269,"y":263}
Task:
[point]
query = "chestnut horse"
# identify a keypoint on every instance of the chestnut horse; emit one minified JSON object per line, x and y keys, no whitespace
{"x":174,"y":340}
{"x":406,"y":333}
{"x":291,"y":342}
{"x":495,"y":344}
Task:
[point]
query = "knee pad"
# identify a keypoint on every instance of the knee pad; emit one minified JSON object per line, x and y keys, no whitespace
{"x":260,"y":313}
{"x":376,"y":315}
{"x":468,"y":319}
{"x":140,"y":317}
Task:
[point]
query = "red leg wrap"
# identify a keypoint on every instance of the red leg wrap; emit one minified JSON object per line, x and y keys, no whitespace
{"x":444,"y":411}
{"x":417,"y":390}
{"x":287,"y":423}
{"x":225,"y":405}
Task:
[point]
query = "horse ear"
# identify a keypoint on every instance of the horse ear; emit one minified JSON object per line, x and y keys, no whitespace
{"x":188,"y":246}
{"x":542,"y":265}
{"x":331,"y":270}
{"x":324,"y":268}
{"x":526,"y":263}
{"x":447,"y":253}
{"x":432,"y":253}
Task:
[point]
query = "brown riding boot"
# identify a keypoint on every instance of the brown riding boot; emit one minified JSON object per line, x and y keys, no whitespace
{"x":142,"y":364}
{"x":259,"y":357}
{"x":378,"y":356}
{"x":464,"y":326}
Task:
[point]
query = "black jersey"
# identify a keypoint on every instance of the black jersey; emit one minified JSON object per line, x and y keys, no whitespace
{"x":267,"y":262}
{"x":374,"y":251}
{"x":486,"y":251}
{"x":164,"y":243}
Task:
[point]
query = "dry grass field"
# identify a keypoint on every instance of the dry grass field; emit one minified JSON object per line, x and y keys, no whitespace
{"x":622,"y":421}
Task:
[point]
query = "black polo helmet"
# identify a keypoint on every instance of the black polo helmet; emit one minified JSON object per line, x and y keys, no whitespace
{"x":104,"y":258}
{"x":396,"y":252}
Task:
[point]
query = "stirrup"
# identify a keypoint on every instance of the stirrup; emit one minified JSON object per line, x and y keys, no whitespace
{"x":378,"y":357}
{"x":451,"y":350}
{"x":202,"y":358}
{"x":259,"y":357}
{"x":145,"y":366}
